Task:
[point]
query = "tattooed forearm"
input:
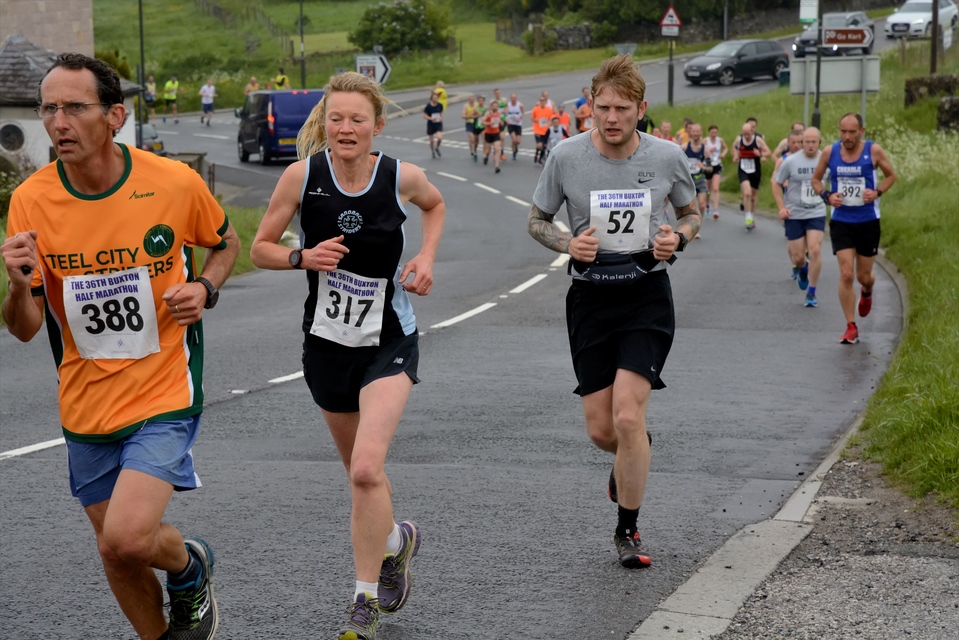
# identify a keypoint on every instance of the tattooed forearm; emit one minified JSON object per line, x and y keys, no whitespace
{"x":540,"y":226}
{"x":689,"y":216}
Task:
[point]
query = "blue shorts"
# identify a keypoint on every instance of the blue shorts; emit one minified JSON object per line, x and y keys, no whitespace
{"x":796,"y":229}
{"x":159,"y":449}
{"x":208,"y":108}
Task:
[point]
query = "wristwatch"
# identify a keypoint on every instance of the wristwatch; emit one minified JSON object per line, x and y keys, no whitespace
{"x":682,"y":241}
{"x":296,"y":259}
{"x":212,"y":294}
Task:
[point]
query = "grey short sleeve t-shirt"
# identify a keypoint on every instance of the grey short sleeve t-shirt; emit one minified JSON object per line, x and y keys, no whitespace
{"x":624,"y":199}
{"x":803,"y":203}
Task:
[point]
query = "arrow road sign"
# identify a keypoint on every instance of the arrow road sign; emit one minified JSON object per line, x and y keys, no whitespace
{"x":852,"y":37}
{"x":374,"y":65}
{"x":671,"y":19}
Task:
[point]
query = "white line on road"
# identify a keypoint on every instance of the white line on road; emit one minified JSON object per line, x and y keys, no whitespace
{"x":292,"y":376}
{"x":562,"y":226}
{"x":517,"y":201}
{"x":211,"y":135}
{"x":560,"y":261}
{"x":529,"y":283}
{"x":463,"y":316}
{"x":483,"y":186}
{"x":32,"y":448}
{"x":450,"y":175}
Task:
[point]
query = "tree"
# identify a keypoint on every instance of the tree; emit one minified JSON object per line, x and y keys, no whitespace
{"x":403,"y":25}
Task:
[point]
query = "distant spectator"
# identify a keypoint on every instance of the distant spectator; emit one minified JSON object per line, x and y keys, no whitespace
{"x":251,"y":86}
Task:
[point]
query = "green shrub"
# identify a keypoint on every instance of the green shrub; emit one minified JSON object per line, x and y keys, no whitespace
{"x":112,"y":58}
{"x":404,"y":25}
{"x":604,"y":34}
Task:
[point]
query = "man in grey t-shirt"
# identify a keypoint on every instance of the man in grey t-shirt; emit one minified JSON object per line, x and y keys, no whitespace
{"x":615,"y":182}
{"x":803,"y":212}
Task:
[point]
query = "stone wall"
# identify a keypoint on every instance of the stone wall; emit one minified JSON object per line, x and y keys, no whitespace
{"x":58,"y":25}
{"x":918,"y":89}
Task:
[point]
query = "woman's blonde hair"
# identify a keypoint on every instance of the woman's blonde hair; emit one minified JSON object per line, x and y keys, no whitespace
{"x":312,"y":137}
{"x":620,"y":74}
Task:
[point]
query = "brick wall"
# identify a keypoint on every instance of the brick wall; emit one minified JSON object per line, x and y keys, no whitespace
{"x":59,"y":25}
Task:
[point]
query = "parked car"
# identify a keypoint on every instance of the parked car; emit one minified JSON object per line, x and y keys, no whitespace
{"x":735,"y":59}
{"x":270,"y":120}
{"x":805,"y":42}
{"x":150,"y":139}
{"x":914,"y":19}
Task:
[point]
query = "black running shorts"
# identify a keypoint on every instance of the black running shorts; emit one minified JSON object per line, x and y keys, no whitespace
{"x":335,"y":374}
{"x":753,"y":178}
{"x":862,"y":236}
{"x":627,"y":327}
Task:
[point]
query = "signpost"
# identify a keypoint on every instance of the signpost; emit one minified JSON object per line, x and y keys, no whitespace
{"x":671,"y":24}
{"x":808,"y":11}
{"x":853,"y":37}
{"x":373,"y":65}
{"x":842,"y":75}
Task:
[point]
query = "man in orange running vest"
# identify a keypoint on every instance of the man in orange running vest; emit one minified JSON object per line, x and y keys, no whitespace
{"x":541,"y":114}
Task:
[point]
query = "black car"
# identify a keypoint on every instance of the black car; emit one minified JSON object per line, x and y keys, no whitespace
{"x":737,"y":59}
{"x":805,"y":43}
{"x":150,"y":139}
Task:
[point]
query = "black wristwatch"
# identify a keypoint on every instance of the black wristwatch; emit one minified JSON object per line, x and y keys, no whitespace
{"x":682,"y":241}
{"x":212,"y":295}
{"x":296,"y":259}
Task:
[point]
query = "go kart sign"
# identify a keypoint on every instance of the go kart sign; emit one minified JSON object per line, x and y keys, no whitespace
{"x":373,"y":65}
{"x":671,"y":23}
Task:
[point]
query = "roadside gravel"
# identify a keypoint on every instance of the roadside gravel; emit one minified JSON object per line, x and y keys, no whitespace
{"x":877,"y":565}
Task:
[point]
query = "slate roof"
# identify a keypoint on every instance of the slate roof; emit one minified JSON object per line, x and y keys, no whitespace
{"x":22,"y":66}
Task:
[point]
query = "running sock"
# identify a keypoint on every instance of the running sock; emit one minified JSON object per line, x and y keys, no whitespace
{"x":189,"y":575}
{"x":394,"y":540}
{"x":866,"y":294}
{"x":811,"y":291}
{"x":626,"y":526}
{"x":370,"y":589}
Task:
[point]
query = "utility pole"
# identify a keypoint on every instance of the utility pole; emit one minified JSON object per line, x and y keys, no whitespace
{"x":816,"y":116}
{"x":302,"y":51}
{"x":934,"y":59}
{"x":141,"y":79}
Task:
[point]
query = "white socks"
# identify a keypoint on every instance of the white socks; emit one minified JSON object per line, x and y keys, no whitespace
{"x":394,"y":540}
{"x":370,"y":589}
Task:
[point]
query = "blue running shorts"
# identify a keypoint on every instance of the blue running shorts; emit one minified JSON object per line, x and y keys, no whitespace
{"x":796,"y":229}
{"x":159,"y":449}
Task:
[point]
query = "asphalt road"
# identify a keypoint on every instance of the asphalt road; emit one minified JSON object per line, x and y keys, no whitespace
{"x":491,"y":457}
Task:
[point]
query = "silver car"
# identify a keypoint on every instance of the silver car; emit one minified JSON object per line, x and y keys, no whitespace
{"x":914,"y":19}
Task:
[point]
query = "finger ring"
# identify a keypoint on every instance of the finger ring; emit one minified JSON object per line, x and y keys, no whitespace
{"x":176,"y":308}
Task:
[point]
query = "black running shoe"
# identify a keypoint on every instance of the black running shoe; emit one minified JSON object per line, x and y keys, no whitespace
{"x":630,"y":554}
{"x":611,"y":487}
{"x":193,"y":611}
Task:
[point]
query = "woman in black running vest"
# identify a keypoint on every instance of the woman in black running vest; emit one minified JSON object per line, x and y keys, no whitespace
{"x":360,"y":350}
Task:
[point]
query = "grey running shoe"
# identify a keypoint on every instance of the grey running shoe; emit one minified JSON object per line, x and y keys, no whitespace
{"x":396,"y":581}
{"x":630,"y":555}
{"x":363,"y":622}
{"x":611,"y":487}
{"x":193,"y":611}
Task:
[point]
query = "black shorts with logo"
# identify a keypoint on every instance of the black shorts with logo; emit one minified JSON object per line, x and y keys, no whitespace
{"x":754,"y":179}
{"x":335,"y":374}
{"x":861,"y":236}
{"x":628,"y":326}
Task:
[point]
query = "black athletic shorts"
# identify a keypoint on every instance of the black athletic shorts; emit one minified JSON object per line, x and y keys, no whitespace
{"x":753,"y":178}
{"x":627,"y":327}
{"x":335,"y":374}
{"x":862,"y":236}
{"x":491,"y":138}
{"x":433,"y":127}
{"x":515,"y":128}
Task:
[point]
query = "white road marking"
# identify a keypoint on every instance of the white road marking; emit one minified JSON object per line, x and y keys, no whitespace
{"x":562,"y":226}
{"x":529,"y":283}
{"x":292,"y":376}
{"x":517,"y":201}
{"x":560,"y":261}
{"x":483,"y":186}
{"x":463,"y":316}
{"x":211,"y":135}
{"x":40,"y":446}
{"x":450,"y":175}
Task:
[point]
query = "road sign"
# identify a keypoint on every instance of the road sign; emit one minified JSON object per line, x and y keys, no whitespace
{"x":851,"y":37}
{"x":808,"y":11}
{"x":672,"y":32}
{"x":671,"y":19}
{"x":373,"y":65}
